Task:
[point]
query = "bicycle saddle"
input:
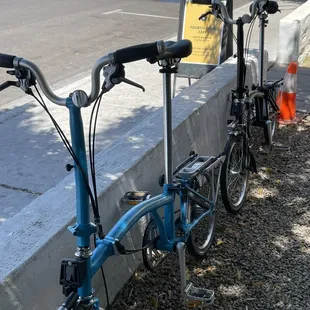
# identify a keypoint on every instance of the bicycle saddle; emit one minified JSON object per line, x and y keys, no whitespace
{"x":179,"y":49}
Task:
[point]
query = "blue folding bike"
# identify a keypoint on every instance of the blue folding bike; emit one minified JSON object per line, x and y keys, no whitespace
{"x":195,"y":181}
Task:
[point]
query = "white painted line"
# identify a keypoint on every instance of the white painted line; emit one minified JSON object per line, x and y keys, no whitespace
{"x":243,"y":7}
{"x":147,"y":15}
{"x":63,"y":91}
{"x":111,"y":12}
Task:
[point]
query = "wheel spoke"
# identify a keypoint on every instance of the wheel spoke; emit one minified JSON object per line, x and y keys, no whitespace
{"x":201,"y":235}
{"x":236,"y":177}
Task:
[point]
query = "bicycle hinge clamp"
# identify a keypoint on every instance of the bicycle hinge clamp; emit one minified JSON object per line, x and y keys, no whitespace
{"x":82,"y":230}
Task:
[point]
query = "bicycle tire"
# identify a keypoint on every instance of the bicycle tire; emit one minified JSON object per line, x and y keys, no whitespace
{"x":192,"y":242}
{"x":273,"y":126}
{"x":231,"y":207}
{"x":271,"y":98}
{"x":147,"y":238}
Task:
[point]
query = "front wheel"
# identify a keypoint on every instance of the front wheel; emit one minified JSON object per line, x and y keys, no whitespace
{"x":271,"y":109}
{"x":235,"y":174}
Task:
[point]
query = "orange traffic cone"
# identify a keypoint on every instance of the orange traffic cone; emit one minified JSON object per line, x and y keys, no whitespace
{"x":286,"y":99}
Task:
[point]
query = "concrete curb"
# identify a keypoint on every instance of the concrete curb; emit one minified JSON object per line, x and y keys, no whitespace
{"x":29,"y":267}
{"x":294,"y":35}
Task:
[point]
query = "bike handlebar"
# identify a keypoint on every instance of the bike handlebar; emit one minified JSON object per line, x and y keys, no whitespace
{"x":125,"y":55}
{"x":138,"y":52}
{"x":6,"y":61}
{"x":224,"y":12}
{"x":226,"y":16}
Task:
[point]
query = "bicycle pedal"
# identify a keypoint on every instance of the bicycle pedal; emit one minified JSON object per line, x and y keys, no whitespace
{"x":280,"y":148}
{"x":197,"y":296}
{"x":135,"y":197}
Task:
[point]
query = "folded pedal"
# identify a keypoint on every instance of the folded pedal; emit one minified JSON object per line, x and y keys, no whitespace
{"x":193,"y":296}
{"x":280,"y":148}
{"x":197,"y":296}
{"x":135,"y":197}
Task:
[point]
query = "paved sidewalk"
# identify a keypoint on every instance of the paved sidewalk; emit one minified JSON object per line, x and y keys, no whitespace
{"x":33,"y":159}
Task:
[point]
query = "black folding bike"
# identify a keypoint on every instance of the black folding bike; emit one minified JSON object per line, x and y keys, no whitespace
{"x":257,"y":107}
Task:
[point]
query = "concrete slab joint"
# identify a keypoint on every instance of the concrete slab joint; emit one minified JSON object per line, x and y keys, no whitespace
{"x":36,"y":240}
{"x":294,"y":35}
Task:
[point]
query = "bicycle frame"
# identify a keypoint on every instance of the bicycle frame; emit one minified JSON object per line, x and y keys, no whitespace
{"x":241,"y":66}
{"x":262,"y":24}
{"x":238,"y":95}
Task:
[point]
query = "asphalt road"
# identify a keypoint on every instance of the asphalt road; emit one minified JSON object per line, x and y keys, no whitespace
{"x":65,"y":37}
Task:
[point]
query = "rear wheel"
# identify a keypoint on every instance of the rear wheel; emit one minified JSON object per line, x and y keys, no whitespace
{"x":272,"y":107}
{"x":235,"y":175}
{"x":151,"y":256}
{"x":202,"y":235}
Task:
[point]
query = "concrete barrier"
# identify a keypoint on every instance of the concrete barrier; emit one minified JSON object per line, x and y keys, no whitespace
{"x":35,"y":240}
{"x":294,"y":35}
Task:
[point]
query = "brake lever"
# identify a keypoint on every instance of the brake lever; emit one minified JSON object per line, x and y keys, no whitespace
{"x":7,"y":84}
{"x":123,"y":79}
{"x":203,"y":16}
{"x":115,"y":74}
{"x":25,"y":79}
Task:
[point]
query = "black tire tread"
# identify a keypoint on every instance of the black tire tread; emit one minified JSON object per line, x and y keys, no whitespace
{"x":223,"y":180}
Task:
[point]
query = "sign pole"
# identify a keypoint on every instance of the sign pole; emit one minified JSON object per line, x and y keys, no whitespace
{"x":229,"y":48}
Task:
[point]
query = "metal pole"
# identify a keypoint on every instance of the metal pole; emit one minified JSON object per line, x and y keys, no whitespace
{"x":167,"y":128}
{"x":229,"y":46}
{"x":240,"y":59}
{"x":261,"y":48}
{"x":227,"y":39}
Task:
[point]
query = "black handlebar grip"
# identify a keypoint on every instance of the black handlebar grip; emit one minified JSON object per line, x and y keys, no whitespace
{"x":272,"y":7}
{"x":6,"y":61}
{"x":138,"y":52}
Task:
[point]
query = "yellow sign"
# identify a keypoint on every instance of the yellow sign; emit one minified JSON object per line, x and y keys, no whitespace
{"x":206,"y":36}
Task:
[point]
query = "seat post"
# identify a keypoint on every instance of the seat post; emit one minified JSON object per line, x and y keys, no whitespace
{"x":167,"y":71}
{"x":262,"y":24}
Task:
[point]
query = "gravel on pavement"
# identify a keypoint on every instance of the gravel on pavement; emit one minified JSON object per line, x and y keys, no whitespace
{"x":261,"y":257}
